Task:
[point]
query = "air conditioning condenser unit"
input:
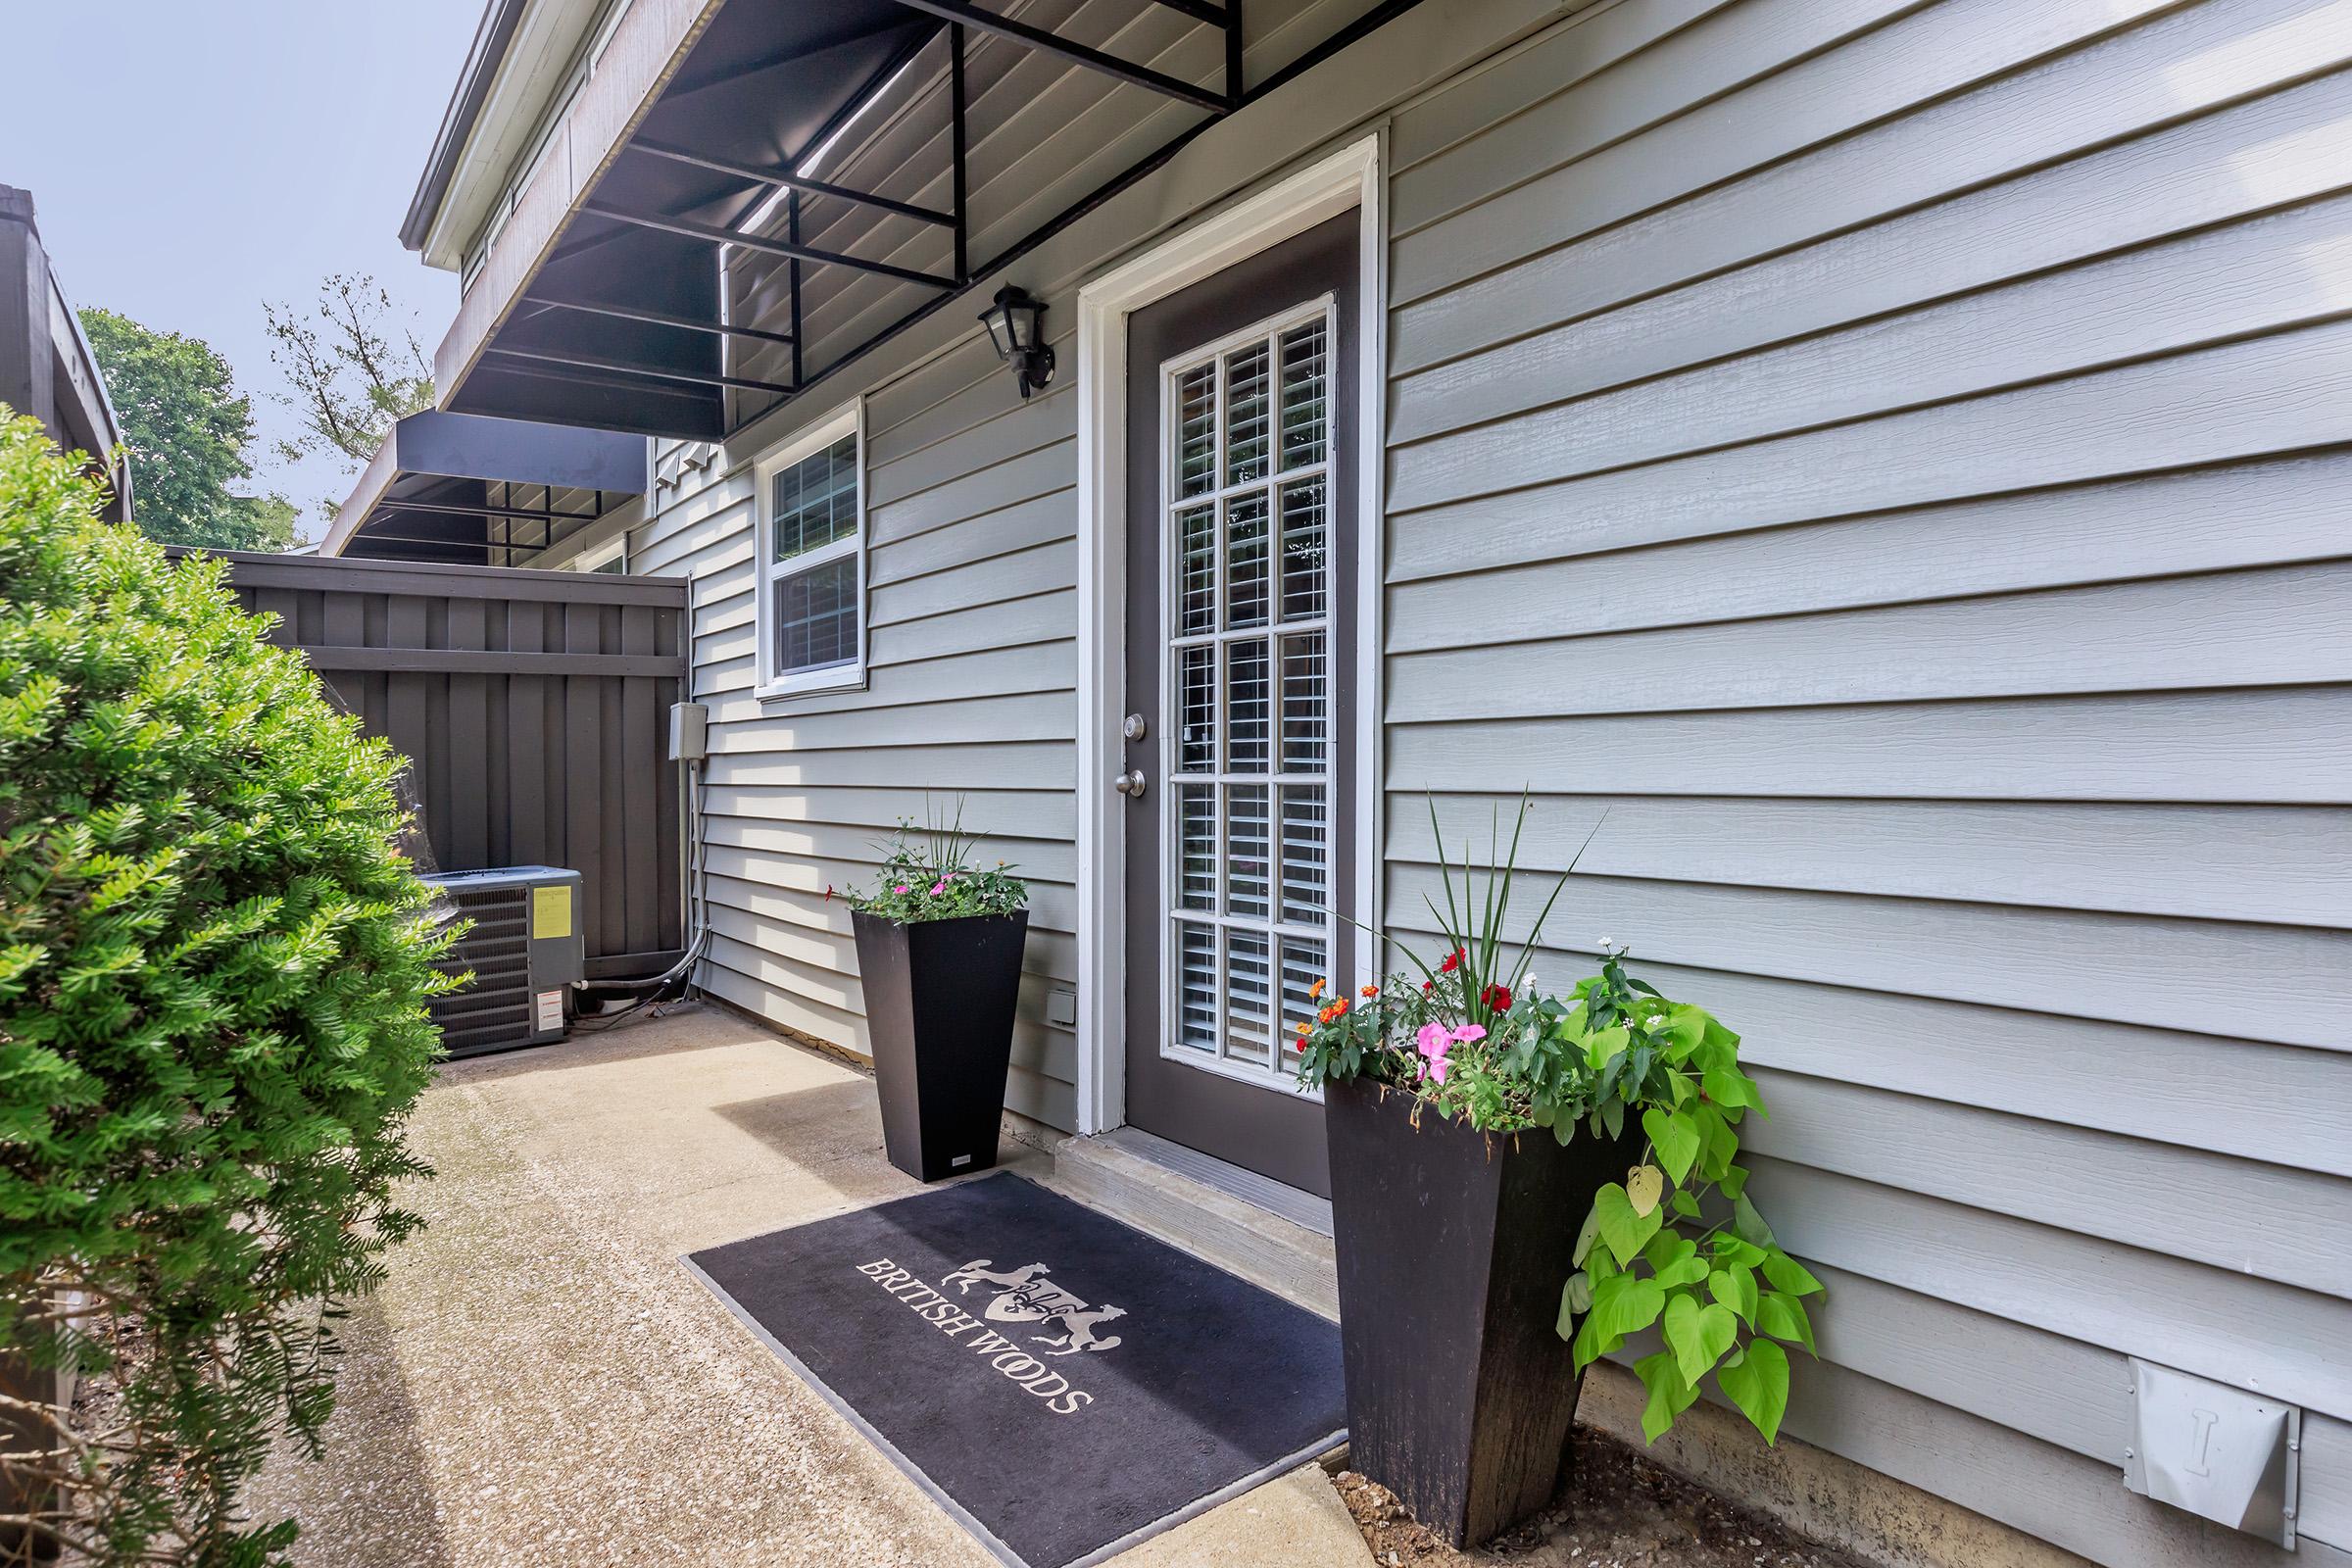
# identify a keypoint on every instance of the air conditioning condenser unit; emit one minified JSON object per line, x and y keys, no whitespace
{"x":524,"y":950}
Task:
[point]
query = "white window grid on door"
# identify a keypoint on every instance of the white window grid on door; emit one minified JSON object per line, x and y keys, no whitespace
{"x":1291,"y":953}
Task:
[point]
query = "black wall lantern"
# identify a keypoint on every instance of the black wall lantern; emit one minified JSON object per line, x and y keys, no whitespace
{"x":1015,"y":324}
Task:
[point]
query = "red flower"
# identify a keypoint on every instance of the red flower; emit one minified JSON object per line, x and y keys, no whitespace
{"x":1497,"y":998}
{"x":1453,"y":961}
{"x":1427,"y":986}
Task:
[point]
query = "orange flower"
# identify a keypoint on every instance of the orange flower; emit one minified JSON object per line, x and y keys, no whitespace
{"x":1314,"y":991}
{"x":1371,"y":991}
{"x":1337,"y":1009}
{"x":1305,"y":1029}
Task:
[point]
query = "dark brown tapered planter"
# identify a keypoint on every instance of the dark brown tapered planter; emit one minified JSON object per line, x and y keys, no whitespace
{"x":939,"y":1000}
{"x":1453,"y":1247}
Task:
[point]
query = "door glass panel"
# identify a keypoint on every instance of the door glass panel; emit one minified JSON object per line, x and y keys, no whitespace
{"x":1246,"y":706}
{"x":1197,"y":709}
{"x":1305,"y":854}
{"x":1246,"y":547}
{"x":1247,"y":447}
{"x":1302,"y":414}
{"x":1303,"y":963}
{"x":1197,"y":567}
{"x":1197,"y":431}
{"x":1302,"y":568}
{"x":1305,"y":704}
{"x":1249,"y":997}
{"x":1197,"y":988}
{"x":1246,"y":822}
{"x":1246,"y":852}
{"x":1196,"y":846}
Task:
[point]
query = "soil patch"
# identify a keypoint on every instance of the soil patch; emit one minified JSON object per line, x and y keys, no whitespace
{"x":1619,"y":1511}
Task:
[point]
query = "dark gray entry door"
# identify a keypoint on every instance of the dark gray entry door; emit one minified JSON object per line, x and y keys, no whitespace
{"x":1241,"y":586}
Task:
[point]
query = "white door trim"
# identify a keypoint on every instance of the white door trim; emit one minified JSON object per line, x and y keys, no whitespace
{"x":1349,"y":177}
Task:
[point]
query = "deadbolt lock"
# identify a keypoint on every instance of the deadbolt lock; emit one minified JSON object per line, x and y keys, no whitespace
{"x":1135,"y":729}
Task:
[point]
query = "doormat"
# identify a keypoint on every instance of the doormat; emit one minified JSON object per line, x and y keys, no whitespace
{"x":1062,"y":1384}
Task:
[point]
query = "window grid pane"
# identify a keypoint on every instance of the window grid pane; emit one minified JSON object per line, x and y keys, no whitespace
{"x":814,"y":502}
{"x":1305,"y":704}
{"x":1196,"y":986}
{"x":1247,"y":443}
{"x":1303,"y":966}
{"x":1196,"y":571}
{"x":816,"y":616}
{"x":1197,"y":431}
{"x":1303,"y":381}
{"x":1247,"y":704}
{"x":1246,"y":545}
{"x":1197,"y":711}
{"x":1246,"y":849}
{"x":1196,"y":846}
{"x":1249,"y":997}
{"x":1305,"y":854}
{"x":1302,"y":547}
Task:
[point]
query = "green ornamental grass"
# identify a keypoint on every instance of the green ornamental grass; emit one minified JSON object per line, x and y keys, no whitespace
{"x":212,"y":968}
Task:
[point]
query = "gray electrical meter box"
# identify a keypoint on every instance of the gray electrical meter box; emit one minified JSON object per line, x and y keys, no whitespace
{"x":2218,"y":1452}
{"x":689,"y":732}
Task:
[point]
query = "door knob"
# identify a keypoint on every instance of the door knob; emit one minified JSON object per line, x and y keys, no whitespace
{"x":1130,"y":784}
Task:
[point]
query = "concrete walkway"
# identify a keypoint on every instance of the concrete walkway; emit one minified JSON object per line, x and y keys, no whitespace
{"x":540,"y":1382}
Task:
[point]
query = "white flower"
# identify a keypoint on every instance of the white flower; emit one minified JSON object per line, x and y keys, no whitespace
{"x":1605,"y":943}
{"x":1531,"y":985}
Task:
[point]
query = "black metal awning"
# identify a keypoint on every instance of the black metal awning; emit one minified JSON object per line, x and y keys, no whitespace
{"x":471,"y":490}
{"x":631,"y":320}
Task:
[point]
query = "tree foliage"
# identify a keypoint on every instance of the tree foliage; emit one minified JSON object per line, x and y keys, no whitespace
{"x":212,"y":968}
{"x":350,"y":376}
{"x":188,"y":430}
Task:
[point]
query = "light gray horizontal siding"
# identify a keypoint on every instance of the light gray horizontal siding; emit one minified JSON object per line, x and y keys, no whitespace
{"x":969,"y":696}
{"x":1873,"y":468}
{"x":1874,"y":473}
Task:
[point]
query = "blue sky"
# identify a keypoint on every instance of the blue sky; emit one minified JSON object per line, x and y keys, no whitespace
{"x":190,"y":159}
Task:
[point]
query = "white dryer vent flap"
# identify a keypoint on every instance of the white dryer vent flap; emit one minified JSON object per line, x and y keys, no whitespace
{"x":2218,"y":1452}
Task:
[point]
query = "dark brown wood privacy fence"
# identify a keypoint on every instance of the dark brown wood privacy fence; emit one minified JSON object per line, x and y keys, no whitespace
{"x":534,"y":708}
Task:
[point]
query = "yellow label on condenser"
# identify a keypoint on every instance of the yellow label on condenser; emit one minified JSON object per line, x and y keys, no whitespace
{"x":550,"y":912}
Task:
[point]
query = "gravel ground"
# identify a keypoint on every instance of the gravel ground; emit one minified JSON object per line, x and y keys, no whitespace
{"x":1618,"y":1511}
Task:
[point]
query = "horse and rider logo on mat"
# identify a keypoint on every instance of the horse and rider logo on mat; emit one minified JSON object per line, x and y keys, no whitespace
{"x":1062,"y":1384}
{"x":1024,"y":1297}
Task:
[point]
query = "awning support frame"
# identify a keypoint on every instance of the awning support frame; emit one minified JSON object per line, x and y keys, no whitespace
{"x":958,"y":20}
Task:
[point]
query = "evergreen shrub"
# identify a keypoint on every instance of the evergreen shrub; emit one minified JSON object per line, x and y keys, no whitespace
{"x":212,"y":968}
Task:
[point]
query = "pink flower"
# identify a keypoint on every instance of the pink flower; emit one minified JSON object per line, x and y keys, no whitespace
{"x":900,"y":888}
{"x":1468,"y":1034}
{"x":1435,"y":1040}
{"x":939,"y":887}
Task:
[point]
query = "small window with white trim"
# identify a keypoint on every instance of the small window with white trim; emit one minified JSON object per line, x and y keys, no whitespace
{"x":611,"y":556}
{"x":812,"y":561}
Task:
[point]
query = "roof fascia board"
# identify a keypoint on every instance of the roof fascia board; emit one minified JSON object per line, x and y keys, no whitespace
{"x":647,"y":48}
{"x":501,"y":125}
{"x":483,"y":58}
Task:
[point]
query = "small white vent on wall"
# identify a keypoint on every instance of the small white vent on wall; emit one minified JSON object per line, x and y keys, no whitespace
{"x":2218,"y":1452}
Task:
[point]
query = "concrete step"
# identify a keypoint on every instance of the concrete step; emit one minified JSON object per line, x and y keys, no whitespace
{"x":1270,"y":1235}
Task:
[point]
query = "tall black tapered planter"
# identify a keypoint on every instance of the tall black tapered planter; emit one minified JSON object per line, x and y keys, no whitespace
{"x":939,"y":1000}
{"x":1453,"y":1246}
